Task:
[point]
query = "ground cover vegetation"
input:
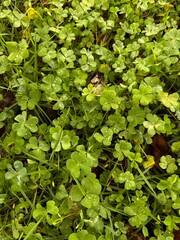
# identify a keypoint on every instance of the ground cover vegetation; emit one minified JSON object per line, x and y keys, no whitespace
{"x":89,"y":119}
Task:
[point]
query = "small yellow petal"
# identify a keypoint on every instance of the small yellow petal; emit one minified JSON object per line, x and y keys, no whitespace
{"x":150,"y":162}
{"x":31,"y":13}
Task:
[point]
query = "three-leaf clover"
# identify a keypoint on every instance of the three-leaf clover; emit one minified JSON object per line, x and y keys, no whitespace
{"x":122,"y":148}
{"x":17,"y":173}
{"x":92,"y":188}
{"x":109,"y":99}
{"x":169,"y":100}
{"x":105,"y":137}
{"x":136,"y":116}
{"x":168,"y":163}
{"x":144,"y":95}
{"x":138,"y":210}
{"x":128,"y":178}
{"x":116,"y":122}
{"x":62,"y":139}
{"x":81,"y":235}
{"x":154,"y":124}
{"x":39,"y":147}
{"x":80,"y":161}
{"x":17,"y":51}
{"x":25,"y":125}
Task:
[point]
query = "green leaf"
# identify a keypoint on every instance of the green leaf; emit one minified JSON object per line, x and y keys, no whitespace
{"x":144,"y":95}
{"x":105,"y":137}
{"x":128,"y":178}
{"x":90,"y":200}
{"x":109,"y":100}
{"x":80,"y":161}
{"x":154,"y":124}
{"x":76,"y":194}
{"x":81,"y":235}
{"x":31,"y":123}
{"x":91,"y":184}
{"x":169,"y":100}
{"x":168,"y":163}
{"x":51,"y":207}
{"x":175,"y":147}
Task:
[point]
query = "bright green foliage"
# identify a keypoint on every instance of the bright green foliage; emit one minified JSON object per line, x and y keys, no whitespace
{"x":168,"y":163}
{"x":28,"y":96}
{"x":122,"y":149}
{"x":126,"y":177}
{"x":116,"y":122}
{"x":109,"y":100}
{"x":89,"y":92}
{"x":64,"y":139}
{"x":3,"y":117}
{"x":25,"y":125}
{"x":175,"y":147}
{"x":154,"y":124}
{"x":82,"y":235}
{"x":85,"y":87}
{"x":172,"y":184}
{"x":170,"y":101}
{"x":18,"y":175}
{"x":3,"y":64}
{"x":80,"y":161}
{"x":170,"y":222}
{"x":138,"y":210}
{"x":17,"y":51}
{"x":136,"y":116}
{"x":144,"y":95}
{"x":105,"y":137}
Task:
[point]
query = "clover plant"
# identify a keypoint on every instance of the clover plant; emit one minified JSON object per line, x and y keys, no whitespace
{"x":90,"y":85}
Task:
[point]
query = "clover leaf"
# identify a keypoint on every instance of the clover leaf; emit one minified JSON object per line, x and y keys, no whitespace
{"x":144,"y":95}
{"x":169,"y":100}
{"x":175,"y":147}
{"x":90,"y":200}
{"x":116,"y":122}
{"x":80,"y":161}
{"x":17,"y":51}
{"x":138,"y":210}
{"x":154,"y":124}
{"x":136,"y":116}
{"x":109,"y":99}
{"x":3,"y":117}
{"x":168,"y":163}
{"x":66,"y":56}
{"x":87,"y":61}
{"x":39,"y":148}
{"x":4,"y":64}
{"x":28,"y":96}
{"x":51,"y":84}
{"x":176,"y":204}
{"x":122,"y":148}
{"x":62,"y":139}
{"x":172,"y":184}
{"x":16,"y":143}
{"x":91,"y":184}
{"x":128,"y":178}
{"x":81,"y":235}
{"x":170,"y":222}
{"x":17,"y":173}
{"x":51,"y":207}
{"x":25,"y":126}
{"x":89,"y":92}
{"x":105,"y":137}
{"x":39,"y":212}
{"x":76,"y":193}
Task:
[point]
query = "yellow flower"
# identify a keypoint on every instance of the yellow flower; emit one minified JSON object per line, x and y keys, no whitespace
{"x":31,"y":13}
{"x":150,"y":162}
